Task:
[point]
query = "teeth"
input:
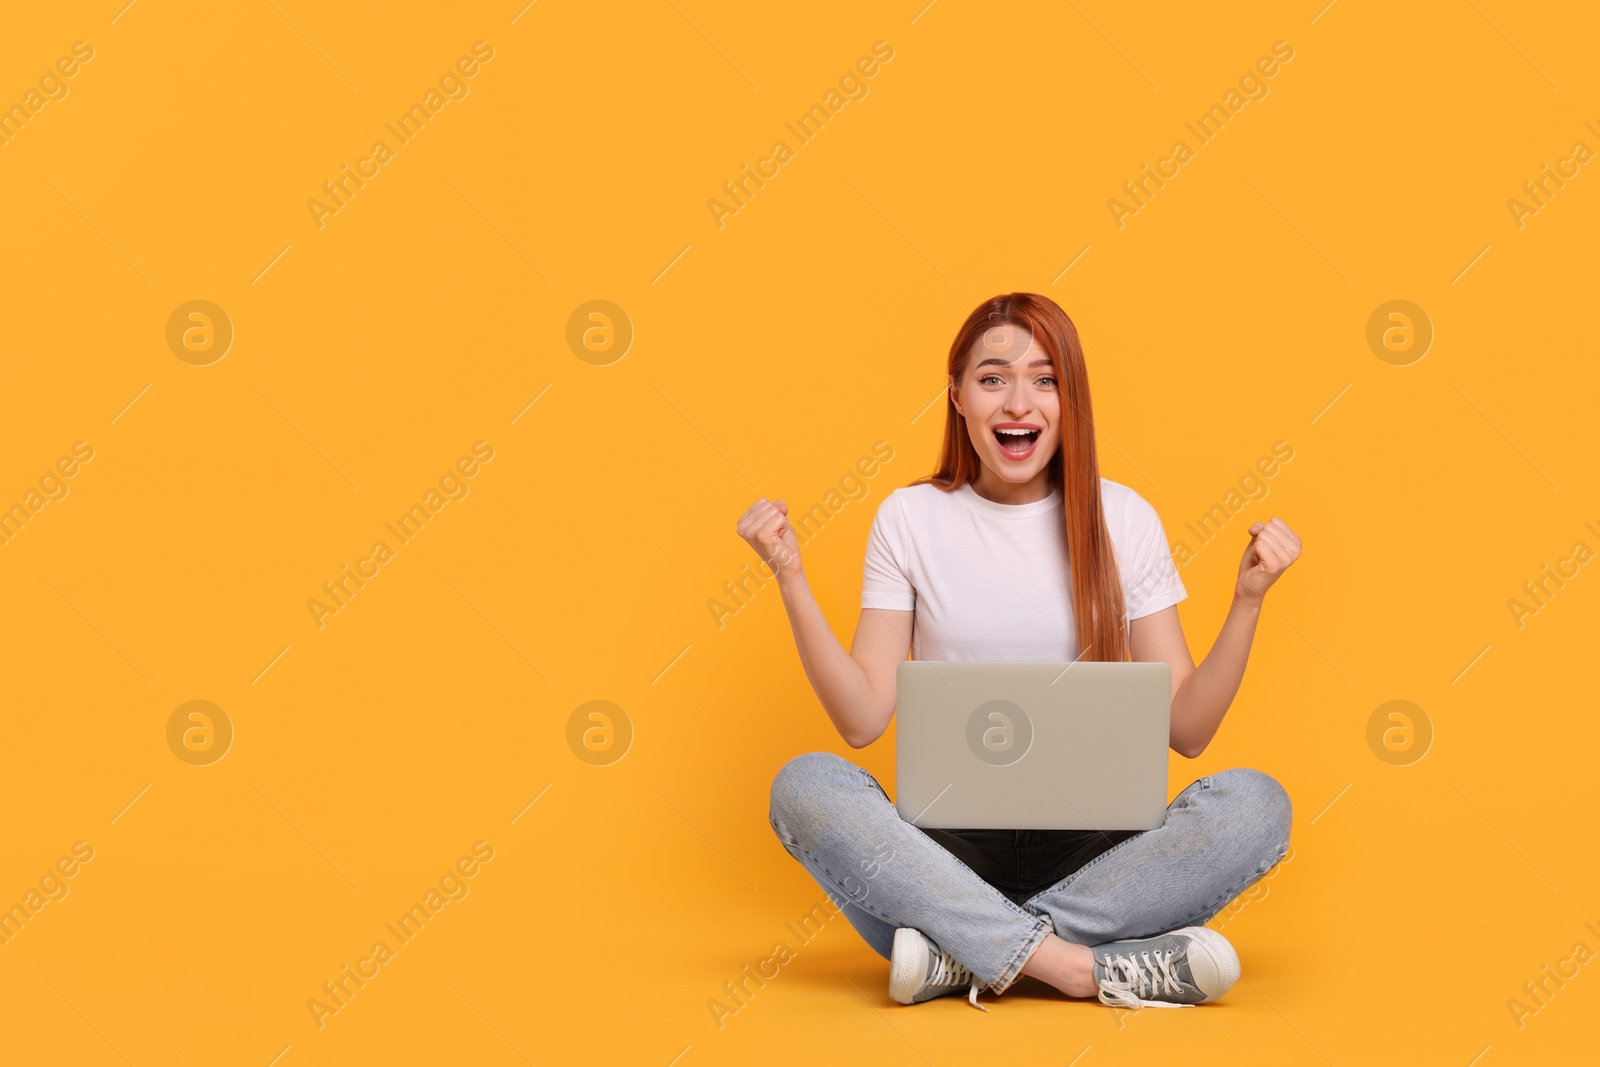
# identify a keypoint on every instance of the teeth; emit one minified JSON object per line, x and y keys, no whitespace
{"x":1018,"y":433}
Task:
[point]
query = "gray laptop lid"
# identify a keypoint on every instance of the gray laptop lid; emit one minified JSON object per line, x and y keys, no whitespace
{"x":1031,"y":745}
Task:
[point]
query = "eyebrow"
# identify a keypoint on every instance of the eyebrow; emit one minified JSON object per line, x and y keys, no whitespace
{"x":1009,"y":362}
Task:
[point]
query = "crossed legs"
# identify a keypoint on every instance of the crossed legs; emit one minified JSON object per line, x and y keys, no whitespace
{"x":1221,"y":834}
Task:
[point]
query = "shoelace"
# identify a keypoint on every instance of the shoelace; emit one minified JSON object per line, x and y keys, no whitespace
{"x":1127,"y":980}
{"x":946,"y":971}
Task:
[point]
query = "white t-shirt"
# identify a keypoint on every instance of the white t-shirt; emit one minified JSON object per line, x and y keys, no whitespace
{"x":989,"y":581}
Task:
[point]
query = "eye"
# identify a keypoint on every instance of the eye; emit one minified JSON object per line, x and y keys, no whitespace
{"x":1048,"y":378}
{"x":989,"y":378}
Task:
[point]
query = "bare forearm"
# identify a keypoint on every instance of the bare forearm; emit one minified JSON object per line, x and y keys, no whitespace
{"x":1204,"y":697}
{"x":840,"y":683}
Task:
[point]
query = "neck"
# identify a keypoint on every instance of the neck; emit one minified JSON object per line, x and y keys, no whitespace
{"x":991,"y":486}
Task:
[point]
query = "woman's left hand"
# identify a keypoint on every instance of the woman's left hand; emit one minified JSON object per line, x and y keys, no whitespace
{"x":1273,"y":546}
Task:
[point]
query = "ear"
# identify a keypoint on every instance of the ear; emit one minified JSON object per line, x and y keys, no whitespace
{"x":955,"y":398}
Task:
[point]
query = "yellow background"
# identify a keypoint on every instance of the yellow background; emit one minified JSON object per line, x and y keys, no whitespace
{"x":769,"y":355}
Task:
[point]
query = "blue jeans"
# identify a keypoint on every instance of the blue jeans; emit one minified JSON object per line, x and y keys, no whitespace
{"x":1221,"y":834}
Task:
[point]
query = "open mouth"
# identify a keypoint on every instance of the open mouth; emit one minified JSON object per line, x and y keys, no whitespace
{"x":1018,"y":441}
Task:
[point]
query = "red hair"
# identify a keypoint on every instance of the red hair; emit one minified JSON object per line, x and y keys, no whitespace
{"x":1097,"y":601}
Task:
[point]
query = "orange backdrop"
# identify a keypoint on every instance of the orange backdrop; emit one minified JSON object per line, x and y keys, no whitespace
{"x":344,"y":479}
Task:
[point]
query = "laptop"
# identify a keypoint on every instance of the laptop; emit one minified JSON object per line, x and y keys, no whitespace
{"x":1031,"y":745}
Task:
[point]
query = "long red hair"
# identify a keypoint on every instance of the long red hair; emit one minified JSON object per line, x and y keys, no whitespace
{"x":1097,"y":601}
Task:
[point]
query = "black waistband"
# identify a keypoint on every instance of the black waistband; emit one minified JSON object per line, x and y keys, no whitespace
{"x":1021,"y":863}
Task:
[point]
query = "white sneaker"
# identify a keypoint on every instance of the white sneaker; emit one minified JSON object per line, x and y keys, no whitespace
{"x":1172,"y":970}
{"x":919,"y":970}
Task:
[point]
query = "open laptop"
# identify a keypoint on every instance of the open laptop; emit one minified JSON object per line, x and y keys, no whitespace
{"x":1032,"y":746}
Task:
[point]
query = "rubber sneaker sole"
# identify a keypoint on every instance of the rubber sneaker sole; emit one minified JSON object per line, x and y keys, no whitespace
{"x":908,"y":964}
{"x":1212,"y":961}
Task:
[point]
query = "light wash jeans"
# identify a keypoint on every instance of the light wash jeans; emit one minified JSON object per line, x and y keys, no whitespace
{"x":1221,"y":834}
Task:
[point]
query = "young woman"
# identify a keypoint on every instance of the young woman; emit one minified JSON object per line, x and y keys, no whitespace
{"x":1017,"y":549}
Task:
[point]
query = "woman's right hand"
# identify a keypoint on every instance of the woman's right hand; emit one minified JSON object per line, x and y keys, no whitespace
{"x":765,"y":527}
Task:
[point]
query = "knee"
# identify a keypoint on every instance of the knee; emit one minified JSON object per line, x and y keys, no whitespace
{"x":1261,"y":795}
{"x":798,"y":792}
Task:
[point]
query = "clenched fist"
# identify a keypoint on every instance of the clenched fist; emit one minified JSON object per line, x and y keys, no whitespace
{"x":765,"y":527}
{"x":1273,"y":546}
